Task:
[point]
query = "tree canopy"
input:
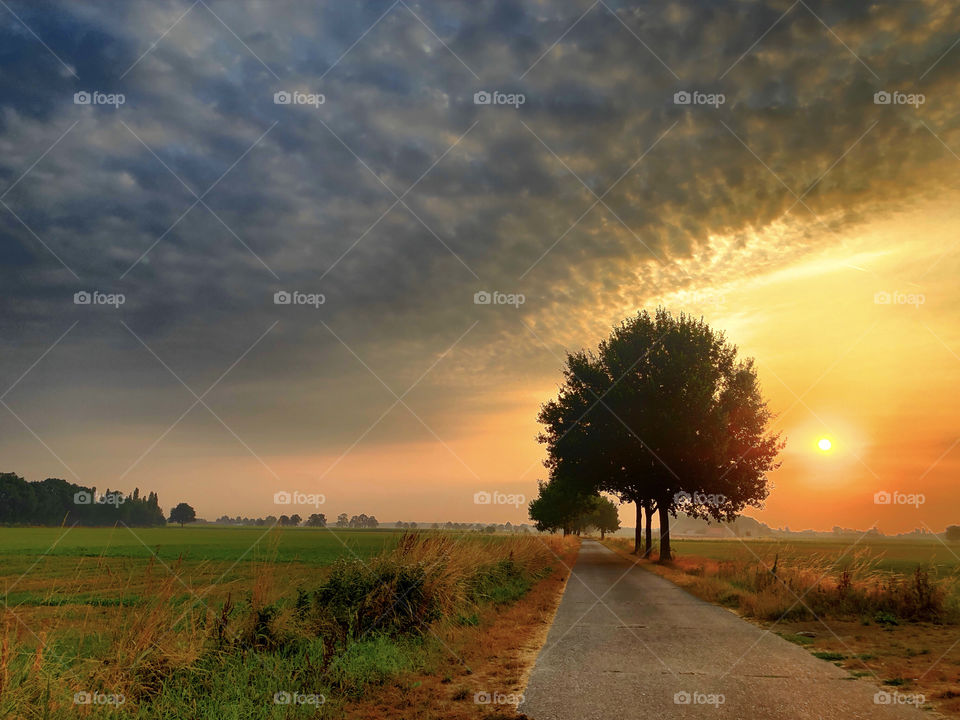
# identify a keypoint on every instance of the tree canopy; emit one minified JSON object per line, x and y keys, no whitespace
{"x":56,"y":502}
{"x":665,"y":415}
{"x":183,"y":513}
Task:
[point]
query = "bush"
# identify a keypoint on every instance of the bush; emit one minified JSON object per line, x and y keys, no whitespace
{"x":382,"y":597}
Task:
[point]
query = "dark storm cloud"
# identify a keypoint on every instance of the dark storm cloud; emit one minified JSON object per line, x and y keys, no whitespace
{"x":301,"y":207}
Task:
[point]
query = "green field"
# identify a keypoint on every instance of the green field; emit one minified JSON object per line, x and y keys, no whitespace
{"x":227,"y":544}
{"x":224,"y":618}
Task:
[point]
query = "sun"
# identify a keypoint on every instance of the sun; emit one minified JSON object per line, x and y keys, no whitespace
{"x":824,"y":444}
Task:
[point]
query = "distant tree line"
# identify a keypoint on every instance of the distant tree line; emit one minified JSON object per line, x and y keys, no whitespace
{"x":57,"y":502}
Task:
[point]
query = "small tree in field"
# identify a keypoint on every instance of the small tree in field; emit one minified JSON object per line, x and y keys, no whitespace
{"x":183,"y":513}
{"x":953,"y":533}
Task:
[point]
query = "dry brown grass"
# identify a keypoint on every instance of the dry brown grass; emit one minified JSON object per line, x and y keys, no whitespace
{"x":180,"y":618}
{"x":804,"y":586}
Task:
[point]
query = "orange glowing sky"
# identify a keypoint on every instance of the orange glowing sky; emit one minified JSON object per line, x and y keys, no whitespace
{"x":814,"y":226}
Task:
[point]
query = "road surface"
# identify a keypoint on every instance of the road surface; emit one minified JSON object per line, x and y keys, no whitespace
{"x":651,"y":650}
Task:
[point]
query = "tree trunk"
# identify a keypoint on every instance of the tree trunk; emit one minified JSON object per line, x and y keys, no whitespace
{"x":648,"y":511}
{"x":664,"y":509}
{"x":603,"y":533}
{"x":638,"y":531}
{"x":566,"y":532}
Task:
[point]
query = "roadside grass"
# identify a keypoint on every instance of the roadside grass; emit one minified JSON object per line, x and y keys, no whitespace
{"x":357,"y":625}
{"x":898,"y":628}
{"x":787,"y":584}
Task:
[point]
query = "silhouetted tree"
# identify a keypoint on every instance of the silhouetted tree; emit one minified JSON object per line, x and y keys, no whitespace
{"x":183,"y":513}
{"x":663,"y":415}
{"x":953,"y":533}
{"x":317,"y":520}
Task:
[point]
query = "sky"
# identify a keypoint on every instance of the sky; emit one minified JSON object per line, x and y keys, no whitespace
{"x":196,"y":159}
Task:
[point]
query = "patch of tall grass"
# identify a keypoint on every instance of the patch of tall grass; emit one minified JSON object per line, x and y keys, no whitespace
{"x":362,"y":623}
{"x":803,"y":586}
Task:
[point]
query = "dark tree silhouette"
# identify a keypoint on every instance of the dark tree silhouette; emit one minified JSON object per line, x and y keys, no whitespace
{"x":663,"y":415}
{"x":183,"y":513}
{"x":953,"y":533}
{"x":55,"y":501}
{"x":317,"y":520}
{"x":558,"y":506}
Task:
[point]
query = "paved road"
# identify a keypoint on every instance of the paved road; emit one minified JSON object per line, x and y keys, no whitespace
{"x":629,"y":656}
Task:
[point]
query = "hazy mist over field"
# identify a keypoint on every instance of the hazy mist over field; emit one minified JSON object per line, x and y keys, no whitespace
{"x":342,"y":150}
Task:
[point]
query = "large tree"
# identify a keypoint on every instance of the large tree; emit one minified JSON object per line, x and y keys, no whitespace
{"x":183,"y":513}
{"x":666,"y":416}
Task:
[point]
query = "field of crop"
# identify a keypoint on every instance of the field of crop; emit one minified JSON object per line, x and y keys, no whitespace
{"x":286,"y":623}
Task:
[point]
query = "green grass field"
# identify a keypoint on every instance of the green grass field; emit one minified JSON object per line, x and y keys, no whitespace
{"x":226,"y":617}
{"x":318,"y":546}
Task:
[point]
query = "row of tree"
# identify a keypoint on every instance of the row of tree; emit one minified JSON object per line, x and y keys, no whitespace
{"x":663,"y":415}
{"x":556,"y":510}
{"x":56,"y":502}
